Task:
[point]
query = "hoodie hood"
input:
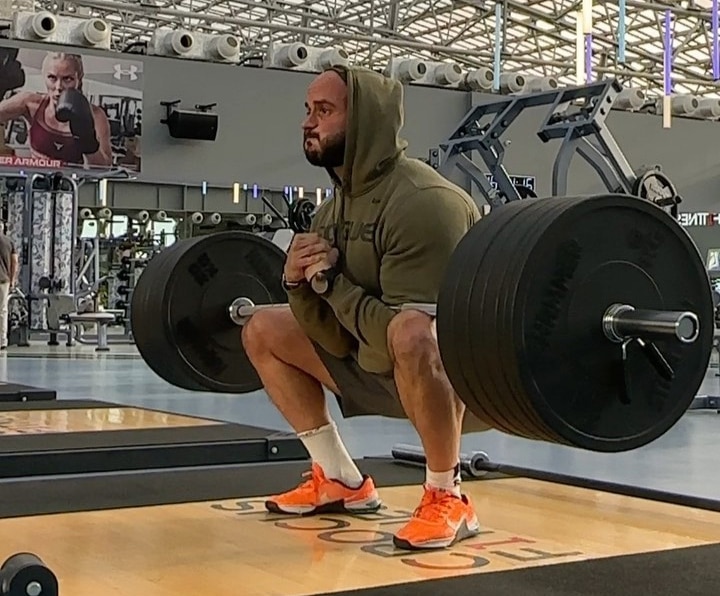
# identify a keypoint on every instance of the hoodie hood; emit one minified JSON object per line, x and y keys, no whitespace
{"x":374,"y":119}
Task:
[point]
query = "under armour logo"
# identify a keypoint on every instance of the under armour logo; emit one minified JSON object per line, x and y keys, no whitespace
{"x":130,"y":71}
{"x":59,"y":146}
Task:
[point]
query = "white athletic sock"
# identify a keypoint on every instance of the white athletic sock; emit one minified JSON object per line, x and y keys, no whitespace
{"x":328,"y":451}
{"x":448,"y":480}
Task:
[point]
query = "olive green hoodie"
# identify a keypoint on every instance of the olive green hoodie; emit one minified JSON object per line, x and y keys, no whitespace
{"x":400,"y":222}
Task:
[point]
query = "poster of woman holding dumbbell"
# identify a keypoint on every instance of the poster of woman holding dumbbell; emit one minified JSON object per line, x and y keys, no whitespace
{"x":61,"y":109}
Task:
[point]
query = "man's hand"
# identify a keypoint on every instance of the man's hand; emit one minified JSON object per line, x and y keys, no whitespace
{"x":328,"y":262}
{"x":308,"y":251}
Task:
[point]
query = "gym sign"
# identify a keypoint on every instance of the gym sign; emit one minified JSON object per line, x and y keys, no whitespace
{"x":526,"y":181}
{"x":699,"y":219}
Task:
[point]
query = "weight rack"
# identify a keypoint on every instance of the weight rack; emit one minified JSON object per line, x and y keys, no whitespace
{"x":577,"y":116}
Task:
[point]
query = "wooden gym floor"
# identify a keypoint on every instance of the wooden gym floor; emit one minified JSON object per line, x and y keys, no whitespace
{"x":230,"y":546}
{"x":234,"y":548}
{"x":27,"y":422}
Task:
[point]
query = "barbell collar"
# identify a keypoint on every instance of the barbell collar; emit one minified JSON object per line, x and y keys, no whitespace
{"x":240,"y":310}
{"x":622,"y":322}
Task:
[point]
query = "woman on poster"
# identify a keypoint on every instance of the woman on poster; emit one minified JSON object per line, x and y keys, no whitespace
{"x":63,"y":125}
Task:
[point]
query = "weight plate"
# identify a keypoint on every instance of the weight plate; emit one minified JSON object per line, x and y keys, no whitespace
{"x":654,"y":185}
{"x":300,"y":215}
{"x":181,"y":304}
{"x":599,"y":251}
{"x":451,"y":336}
{"x":487,"y":366}
{"x":452,"y":310}
{"x":144,"y":329}
{"x":475,"y":257}
{"x":489,"y":317}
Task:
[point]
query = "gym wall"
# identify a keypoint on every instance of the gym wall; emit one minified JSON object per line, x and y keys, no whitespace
{"x":259,"y":139}
{"x":260,"y":114}
{"x":260,"y":111}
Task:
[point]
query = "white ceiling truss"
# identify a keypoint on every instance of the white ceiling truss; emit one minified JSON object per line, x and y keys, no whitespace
{"x":537,"y":36}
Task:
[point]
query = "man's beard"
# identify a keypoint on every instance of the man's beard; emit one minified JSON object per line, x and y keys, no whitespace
{"x":330,"y":155}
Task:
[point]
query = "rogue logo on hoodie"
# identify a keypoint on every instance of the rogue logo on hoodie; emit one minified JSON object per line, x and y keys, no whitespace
{"x":354,"y":231}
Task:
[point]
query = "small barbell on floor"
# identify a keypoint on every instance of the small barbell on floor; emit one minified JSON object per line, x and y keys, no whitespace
{"x":473,"y":464}
{"x":25,"y":574}
{"x":580,"y":321}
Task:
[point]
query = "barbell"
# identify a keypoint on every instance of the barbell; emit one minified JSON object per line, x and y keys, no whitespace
{"x":581,"y":321}
{"x":620,"y":322}
{"x":25,"y":574}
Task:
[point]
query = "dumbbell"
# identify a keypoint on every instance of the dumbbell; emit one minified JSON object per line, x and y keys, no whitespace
{"x":25,"y":574}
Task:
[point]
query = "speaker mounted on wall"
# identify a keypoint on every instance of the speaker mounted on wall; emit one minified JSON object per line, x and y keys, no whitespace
{"x":199,"y":124}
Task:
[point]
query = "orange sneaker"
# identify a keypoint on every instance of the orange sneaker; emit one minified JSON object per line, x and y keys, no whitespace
{"x":441,"y":520}
{"x":322,"y":495}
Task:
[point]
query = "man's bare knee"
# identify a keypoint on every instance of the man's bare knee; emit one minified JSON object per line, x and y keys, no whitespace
{"x":275,"y":334}
{"x":265,"y":328}
{"x":411,"y":337}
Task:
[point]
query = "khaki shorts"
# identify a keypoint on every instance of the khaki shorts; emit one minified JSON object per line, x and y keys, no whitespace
{"x":369,"y":394}
{"x":361,"y":393}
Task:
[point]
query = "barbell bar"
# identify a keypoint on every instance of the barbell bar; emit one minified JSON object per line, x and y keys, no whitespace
{"x":620,"y":323}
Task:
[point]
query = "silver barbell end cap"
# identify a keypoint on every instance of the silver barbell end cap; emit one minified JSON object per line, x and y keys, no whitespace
{"x":477,"y":459}
{"x":687,"y":328}
{"x":235,"y":310}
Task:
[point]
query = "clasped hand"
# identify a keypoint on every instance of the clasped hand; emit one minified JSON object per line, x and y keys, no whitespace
{"x":308,"y":254}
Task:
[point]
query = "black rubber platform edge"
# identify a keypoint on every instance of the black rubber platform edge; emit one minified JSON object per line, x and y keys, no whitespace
{"x":690,"y":571}
{"x":221,"y":443}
